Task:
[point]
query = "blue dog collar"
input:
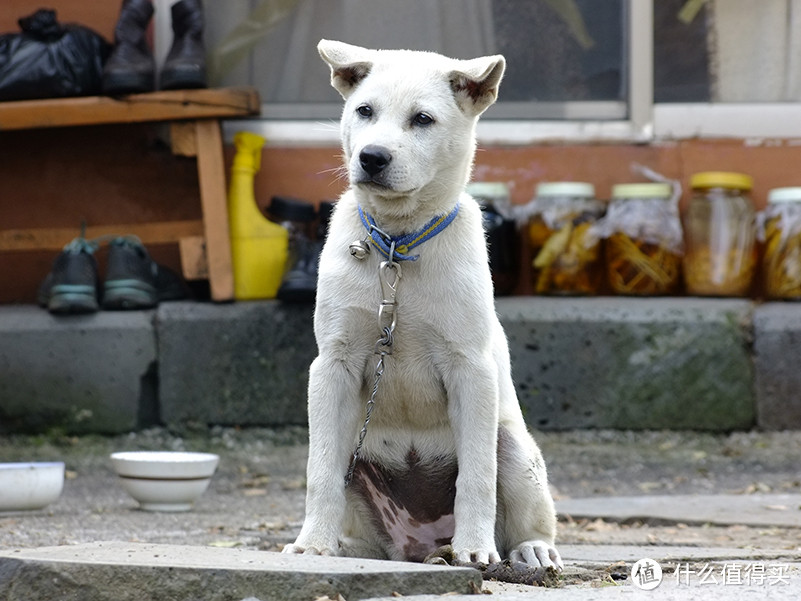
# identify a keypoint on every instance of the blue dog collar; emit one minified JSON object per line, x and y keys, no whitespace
{"x":399,"y":246}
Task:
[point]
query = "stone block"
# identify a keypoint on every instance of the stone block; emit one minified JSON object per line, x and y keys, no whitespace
{"x":132,"y":571}
{"x":242,"y":364}
{"x":674,"y":363}
{"x":777,"y":363}
{"x":83,"y":373}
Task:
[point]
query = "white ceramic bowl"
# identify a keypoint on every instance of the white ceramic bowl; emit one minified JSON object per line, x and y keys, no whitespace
{"x":165,"y":480}
{"x":26,"y":486}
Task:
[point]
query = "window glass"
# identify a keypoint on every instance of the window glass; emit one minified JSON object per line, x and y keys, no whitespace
{"x":727,"y":51}
{"x":561,"y":51}
{"x":566,"y":58}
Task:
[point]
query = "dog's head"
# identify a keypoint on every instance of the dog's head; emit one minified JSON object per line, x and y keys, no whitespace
{"x":408,"y":126}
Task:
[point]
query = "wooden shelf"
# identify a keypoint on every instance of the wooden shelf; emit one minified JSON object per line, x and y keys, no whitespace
{"x":136,"y":108}
{"x":55,"y":238}
{"x":194,"y":115}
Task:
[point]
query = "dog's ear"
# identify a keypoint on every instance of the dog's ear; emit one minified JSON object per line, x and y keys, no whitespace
{"x":475,"y":83}
{"x":349,"y":64}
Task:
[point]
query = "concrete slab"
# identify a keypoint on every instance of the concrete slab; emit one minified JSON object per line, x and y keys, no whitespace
{"x":118,"y":571}
{"x":749,"y":510}
{"x":659,"y":363}
{"x":240,"y":364}
{"x":777,"y":346}
{"x":623,"y":363}
{"x":83,"y":373}
{"x":668,"y":554}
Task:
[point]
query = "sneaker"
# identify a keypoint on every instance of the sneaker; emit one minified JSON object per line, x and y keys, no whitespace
{"x":134,"y":280}
{"x":71,"y":286}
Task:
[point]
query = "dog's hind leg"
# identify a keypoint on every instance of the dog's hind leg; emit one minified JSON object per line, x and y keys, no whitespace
{"x":361,"y":539}
{"x":526,"y":523}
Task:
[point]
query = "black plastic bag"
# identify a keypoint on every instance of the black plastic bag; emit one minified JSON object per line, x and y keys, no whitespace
{"x":49,"y":60}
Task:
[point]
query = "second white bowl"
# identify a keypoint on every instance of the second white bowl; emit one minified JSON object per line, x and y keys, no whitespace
{"x":165,"y":480}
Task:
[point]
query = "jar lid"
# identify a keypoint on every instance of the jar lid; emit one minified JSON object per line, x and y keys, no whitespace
{"x":721,"y":179}
{"x":645,"y":190}
{"x":778,"y":195}
{"x":580,"y":189}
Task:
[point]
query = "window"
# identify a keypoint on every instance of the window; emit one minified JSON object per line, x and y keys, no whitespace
{"x":728,"y":68}
{"x":565,"y":58}
{"x":577,"y":69}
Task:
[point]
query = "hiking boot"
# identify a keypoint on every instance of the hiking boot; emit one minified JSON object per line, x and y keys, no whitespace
{"x":71,"y":286}
{"x":131,"y":67}
{"x":134,"y":280}
{"x":299,"y":283}
{"x":185,"y":65}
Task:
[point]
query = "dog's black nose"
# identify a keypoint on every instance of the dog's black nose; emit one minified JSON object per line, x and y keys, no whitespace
{"x":374,"y":159}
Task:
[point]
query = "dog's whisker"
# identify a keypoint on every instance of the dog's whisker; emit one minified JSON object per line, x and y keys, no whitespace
{"x":327,"y":126}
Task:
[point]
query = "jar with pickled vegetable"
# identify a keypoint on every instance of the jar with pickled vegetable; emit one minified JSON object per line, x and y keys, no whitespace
{"x":644,"y":239}
{"x":501,"y":230}
{"x":719,"y":230}
{"x":564,"y":242}
{"x":781,"y":263}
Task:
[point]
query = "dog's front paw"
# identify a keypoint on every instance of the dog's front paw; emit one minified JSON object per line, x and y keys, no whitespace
{"x":485,"y":556}
{"x":537,"y":553}
{"x":298,"y":549}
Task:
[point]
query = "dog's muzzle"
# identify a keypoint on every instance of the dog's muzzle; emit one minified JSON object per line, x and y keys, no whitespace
{"x":374,"y":160}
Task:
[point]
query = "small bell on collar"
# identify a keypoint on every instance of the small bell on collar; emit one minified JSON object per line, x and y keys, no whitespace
{"x":359,"y":249}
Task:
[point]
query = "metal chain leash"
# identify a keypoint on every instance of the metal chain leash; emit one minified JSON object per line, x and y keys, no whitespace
{"x":389,"y":274}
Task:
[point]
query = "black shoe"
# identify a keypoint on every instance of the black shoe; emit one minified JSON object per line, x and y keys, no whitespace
{"x":299,"y":285}
{"x":134,"y":280}
{"x":71,"y":286}
{"x":131,"y":67}
{"x":185,"y":65}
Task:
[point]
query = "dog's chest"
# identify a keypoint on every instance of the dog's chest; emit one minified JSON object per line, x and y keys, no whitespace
{"x":411,"y":392}
{"x":412,"y":507}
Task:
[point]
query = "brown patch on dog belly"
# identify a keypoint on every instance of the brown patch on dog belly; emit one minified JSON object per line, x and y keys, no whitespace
{"x":412,"y":508}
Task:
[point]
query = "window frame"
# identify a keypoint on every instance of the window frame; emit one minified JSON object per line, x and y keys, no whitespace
{"x":647,"y":121}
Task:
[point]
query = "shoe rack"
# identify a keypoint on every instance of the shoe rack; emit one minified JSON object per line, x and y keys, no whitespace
{"x":194,"y":117}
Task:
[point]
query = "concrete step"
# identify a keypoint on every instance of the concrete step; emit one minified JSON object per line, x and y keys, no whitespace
{"x":783,"y":510}
{"x":118,"y":571}
{"x":628,"y":363}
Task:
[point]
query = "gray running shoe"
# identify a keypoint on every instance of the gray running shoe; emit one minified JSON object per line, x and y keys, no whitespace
{"x":71,"y":286}
{"x":134,"y":280}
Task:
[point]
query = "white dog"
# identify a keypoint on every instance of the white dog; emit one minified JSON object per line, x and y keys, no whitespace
{"x":405,"y":324}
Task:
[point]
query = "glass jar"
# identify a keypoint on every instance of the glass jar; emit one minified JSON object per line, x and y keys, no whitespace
{"x":781,"y":263}
{"x":644,"y":239}
{"x":719,"y":233}
{"x":502,"y":245}
{"x":564,"y":242}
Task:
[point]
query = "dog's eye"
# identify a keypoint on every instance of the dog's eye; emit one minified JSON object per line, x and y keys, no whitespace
{"x":365,"y":110}
{"x":423,"y":119}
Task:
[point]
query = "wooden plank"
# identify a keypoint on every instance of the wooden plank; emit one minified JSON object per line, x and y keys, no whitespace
{"x":194,"y":265}
{"x":154,"y":106}
{"x":55,"y":238}
{"x":214,"y":202}
{"x":183,"y":141}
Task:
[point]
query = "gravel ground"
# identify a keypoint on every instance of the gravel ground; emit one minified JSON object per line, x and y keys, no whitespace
{"x":256,"y":497}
